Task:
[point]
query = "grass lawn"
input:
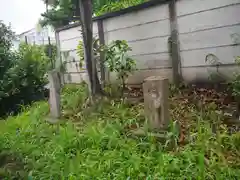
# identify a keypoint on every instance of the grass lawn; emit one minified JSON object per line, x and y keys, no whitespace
{"x":94,"y":144}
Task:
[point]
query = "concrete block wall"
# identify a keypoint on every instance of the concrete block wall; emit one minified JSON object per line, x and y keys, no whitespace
{"x":147,"y":32}
{"x":204,"y":27}
{"x":69,"y":40}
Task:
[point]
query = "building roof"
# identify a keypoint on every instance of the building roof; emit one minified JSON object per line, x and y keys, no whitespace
{"x":25,"y":32}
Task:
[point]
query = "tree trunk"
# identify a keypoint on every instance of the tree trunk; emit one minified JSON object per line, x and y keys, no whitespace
{"x":87,"y":35}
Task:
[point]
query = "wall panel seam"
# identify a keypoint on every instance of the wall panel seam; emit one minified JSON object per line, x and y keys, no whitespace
{"x":136,"y":25}
{"x":148,"y":38}
{"x":151,"y":53}
{"x":209,"y":47}
{"x":64,"y":40}
{"x":211,"y":9}
{"x":134,"y":40}
{"x":70,"y":50}
{"x":75,"y":37}
{"x":206,"y":29}
{"x":211,"y":65}
{"x":167,"y":67}
{"x":143,"y":69}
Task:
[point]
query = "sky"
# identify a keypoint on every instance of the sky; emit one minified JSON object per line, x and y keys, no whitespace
{"x":22,"y":14}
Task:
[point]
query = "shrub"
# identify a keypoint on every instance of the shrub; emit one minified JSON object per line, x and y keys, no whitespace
{"x":116,"y":58}
{"x":21,"y":73}
{"x":118,"y":61}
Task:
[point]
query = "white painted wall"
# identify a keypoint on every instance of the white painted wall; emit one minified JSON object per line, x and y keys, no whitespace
{"x":204,"y":27}
{"x":69,"y":40}
{"x":146,"y":31}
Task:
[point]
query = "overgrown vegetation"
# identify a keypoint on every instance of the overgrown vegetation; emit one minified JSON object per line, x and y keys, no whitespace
{"x":112,"y":6}
{"x":22,"y":73}
{"x":95,"y":143}
{"x":235,"y":84}
{"x":118,"y":61}
{"x":63,"y":12}
{"x":96,"y":52}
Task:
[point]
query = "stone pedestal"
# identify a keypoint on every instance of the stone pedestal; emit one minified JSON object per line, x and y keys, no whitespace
{"x":54,"y":96}
{"x":156,"y":103}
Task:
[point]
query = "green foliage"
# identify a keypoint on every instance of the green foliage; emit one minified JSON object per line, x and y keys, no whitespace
{"x":60,"y":13}
{"x":21,"y":72}
{"x":112,"y":6}
{"x":116,"y":57}
{"x":235,"y":84}
{"x":6,"y":58}
{"x":80,"y":53}
{"x":51,"y":51}
{"x":34,"y":60}
{"x":96,"y":145}
{"x":80,"y":50}
{"x":63,"y":12}
{"x":118,"y":61}
{"x":6,"y":37}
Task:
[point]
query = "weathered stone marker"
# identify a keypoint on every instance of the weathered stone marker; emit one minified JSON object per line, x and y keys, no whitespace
{"x":156,"y":105}
{"x":54,"y":95}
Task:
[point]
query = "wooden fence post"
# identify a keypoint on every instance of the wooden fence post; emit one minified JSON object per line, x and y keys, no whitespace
{"x":174,"y":44}
{"x":102,"y":53}
{"x":156,"y":105}
{"x":26,"y":40}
